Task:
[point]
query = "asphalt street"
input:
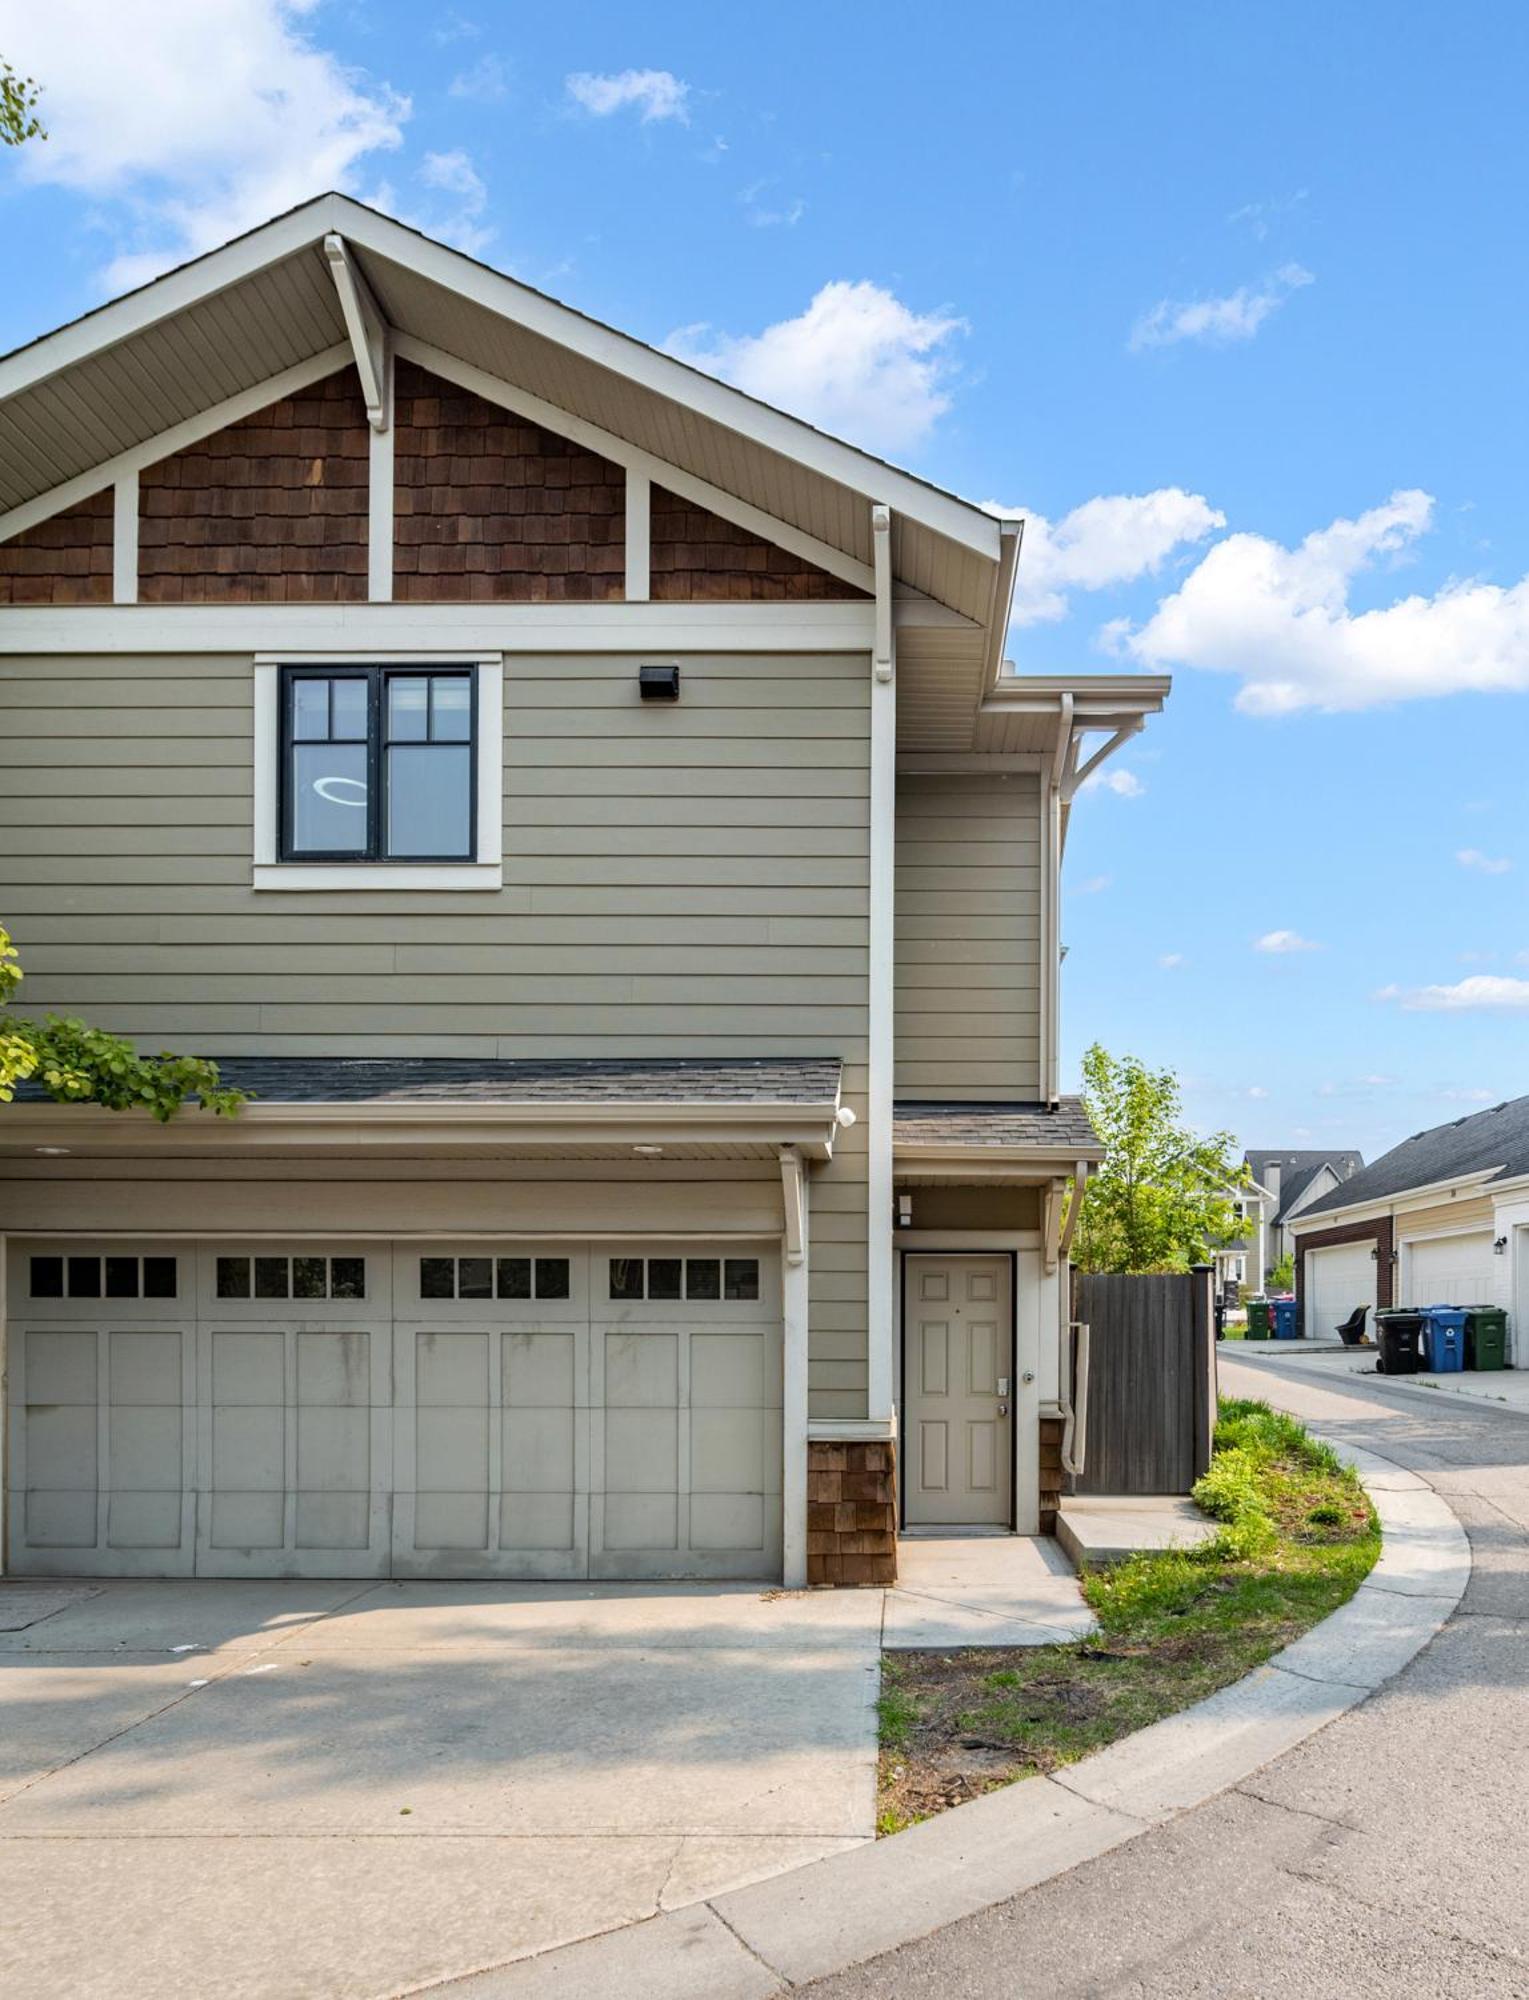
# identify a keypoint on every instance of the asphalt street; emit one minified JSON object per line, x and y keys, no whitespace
{"x":1387,"y":1856}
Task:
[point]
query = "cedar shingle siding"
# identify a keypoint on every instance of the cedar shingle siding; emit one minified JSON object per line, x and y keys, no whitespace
{"x":268,"y":511}
{"x":66,"y":560}
{"x":699,"y":555}
{"x":491,"y":508}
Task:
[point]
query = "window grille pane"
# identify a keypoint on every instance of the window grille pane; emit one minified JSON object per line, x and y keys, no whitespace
{"x":437,"y":1278}
{"x":451,"y":708}
{"x":626,"y":1277}
{"x":348,"y":724}
{"x":329,"y":798}
{"x":271,"y":1278}
{"x":310,"y":710}
{"x":514,"y":1277}
{"x":552,"y":1277}
{"x":703,"y":1278}
{"x":84,"y":1277}
{"x":233,"y":1277}
{"x":408,"y":708}
{"x":347,"y":1278}
{"x":310,"y":1279}
{"x":429,"y":801}
{"x":742,"y":1278}
{"x":122,"y":1277}
{"x":47,"y":1278}
{"x":159,"y":1277}
{"x":664,"y":1277}
{"x":475,"y":1278}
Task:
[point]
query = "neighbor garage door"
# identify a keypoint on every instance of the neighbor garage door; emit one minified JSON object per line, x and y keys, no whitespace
{"x":355,"y":1409}
{"x":1448,"y":1270}
{"x":1337,"y":1280}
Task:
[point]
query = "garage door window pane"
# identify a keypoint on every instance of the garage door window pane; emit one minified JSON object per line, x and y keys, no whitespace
{"x":514,"y":1277}
{"x":84,"y":1277}
{"x":703,"y":1278}
{"x":47,"y":1278}
{"x":742,"y":1278}
{"x":626,"y":1277}
{"x":122,"y":1277}
{"x":437,"y":1278}
{"x":664,"y":1274}
{"x":159,"y":1277}
{"x":233,"y":1277}
{"x":309,"y":1278}
{"x":347,"y":1278}
{"x":271,"y":1278}
{"x":552,"y":1277}
{"x":475,"y":1278}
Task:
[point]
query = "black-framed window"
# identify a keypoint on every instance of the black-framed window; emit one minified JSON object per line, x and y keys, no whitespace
{"x":379,"y":764}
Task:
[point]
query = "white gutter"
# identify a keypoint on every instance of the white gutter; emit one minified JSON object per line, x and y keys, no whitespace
{"x":1482,"y":1182}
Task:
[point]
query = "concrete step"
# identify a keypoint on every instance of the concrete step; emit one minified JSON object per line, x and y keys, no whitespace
{"x":1108,"y":1527}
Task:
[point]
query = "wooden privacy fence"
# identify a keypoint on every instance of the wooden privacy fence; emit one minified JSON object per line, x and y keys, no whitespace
{"x":1151,"y":1379}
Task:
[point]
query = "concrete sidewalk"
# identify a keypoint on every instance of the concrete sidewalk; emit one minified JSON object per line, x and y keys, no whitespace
{"x":1504,"y":1388}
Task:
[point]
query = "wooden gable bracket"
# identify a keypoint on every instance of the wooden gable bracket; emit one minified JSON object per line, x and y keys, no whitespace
{"x":370,"y":335}
{"x":793,"y":1189}
{"x":881,"y":550}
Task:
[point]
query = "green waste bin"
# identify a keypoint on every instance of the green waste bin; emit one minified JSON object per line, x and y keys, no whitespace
{"x":1260,"y":1320}
{"x":1486,"y":1337}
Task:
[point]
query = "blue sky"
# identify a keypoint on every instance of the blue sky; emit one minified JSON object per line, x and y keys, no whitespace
{"x":1187,"y":285}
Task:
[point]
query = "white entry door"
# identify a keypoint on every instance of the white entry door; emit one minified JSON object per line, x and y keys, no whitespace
{"x":957,"y":1368}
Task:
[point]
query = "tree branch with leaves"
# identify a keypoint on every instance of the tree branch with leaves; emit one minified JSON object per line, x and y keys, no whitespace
{"x":76,"y":1064}
{"x":1164,"y":1197}
{"x":18,"y":108}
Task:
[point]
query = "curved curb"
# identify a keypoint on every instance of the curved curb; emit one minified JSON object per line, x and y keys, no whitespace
{"x":832,"y":1914}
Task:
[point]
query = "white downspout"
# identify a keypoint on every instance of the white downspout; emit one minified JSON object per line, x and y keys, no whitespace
{"x":1074,"y":1418}
{"x":880,"y":1290}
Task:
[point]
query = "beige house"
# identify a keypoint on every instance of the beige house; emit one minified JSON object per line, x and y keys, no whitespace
{"x":589,"y":811}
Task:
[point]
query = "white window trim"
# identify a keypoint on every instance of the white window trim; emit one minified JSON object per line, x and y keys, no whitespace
{"x":485,"y":872}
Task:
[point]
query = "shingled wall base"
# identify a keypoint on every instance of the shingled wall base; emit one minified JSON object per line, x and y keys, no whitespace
{"x":851,"y":1513}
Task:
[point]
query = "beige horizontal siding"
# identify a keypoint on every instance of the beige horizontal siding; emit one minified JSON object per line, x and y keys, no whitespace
{"x":679,"y":880}
{"x":968,"y":936}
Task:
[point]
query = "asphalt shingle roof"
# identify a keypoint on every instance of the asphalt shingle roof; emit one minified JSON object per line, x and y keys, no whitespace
{"x":1298,"y":1170}
{"x":1496,"y":1139}
{"x":460,"y":1080}
{"x":1035,"y":1126}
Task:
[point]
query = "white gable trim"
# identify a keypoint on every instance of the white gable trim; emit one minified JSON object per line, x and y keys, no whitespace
{"x":231,"y":411}
{"x":658,"y":472}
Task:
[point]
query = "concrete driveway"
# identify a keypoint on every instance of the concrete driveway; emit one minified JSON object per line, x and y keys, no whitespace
{"x":273,"y":1789}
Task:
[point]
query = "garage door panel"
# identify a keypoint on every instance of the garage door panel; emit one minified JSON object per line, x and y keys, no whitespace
{"x":145,"y":1520}
{"x":1338,"y":1279}
{"x":538,"y":1522}
{"x":1448,"y":1270}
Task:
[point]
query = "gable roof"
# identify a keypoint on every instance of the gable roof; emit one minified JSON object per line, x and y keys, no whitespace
{"x":1494,"y":1143}
{"x":1298,"y":1170}
{"x":265,"y":302}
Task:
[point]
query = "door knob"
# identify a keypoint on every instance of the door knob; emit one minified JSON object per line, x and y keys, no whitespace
{"x":1028,"y":1376}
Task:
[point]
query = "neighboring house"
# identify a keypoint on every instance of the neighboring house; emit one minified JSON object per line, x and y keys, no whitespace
{"x":1285,"y":1184}
{"x":1442,"y":1219}
{"x":590,"y":811}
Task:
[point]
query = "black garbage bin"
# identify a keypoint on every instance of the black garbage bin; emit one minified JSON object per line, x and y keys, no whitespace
{"x":1401,"y":1342}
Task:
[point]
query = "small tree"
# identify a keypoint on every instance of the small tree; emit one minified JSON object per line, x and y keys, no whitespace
{"x":1282,"y":1277}
{"x":1163,"y":1198}
{"x":18,"y":108}
{"x":74,"y":1063}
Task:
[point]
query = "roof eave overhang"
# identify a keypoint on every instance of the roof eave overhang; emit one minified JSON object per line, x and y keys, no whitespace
{"x":1484,"y":1181}
{"x":263,"y":1127}
{"x":992,"y":1163}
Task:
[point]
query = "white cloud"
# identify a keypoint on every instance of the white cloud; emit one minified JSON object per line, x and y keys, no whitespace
{"x":1217,"y":322}
{"x":1170,"y":961}
{"x":1482,"y":993}
{"x":1113,"y":539}
{"x":454,"y":174}
{"x":653,"y":93}
{"x":1466,"y":1096}
{"x":1284,"y":941}
{"x":487,"y":82}
{"x":199,"y":121}
{"x":1279,"y":619}
{"x":1256,"y":1090}
{"x":1092,"y":885}
{"x":1484,"y":864}
{"x":1257,"y":215}
{"x":762,"y":214}
{"x":857,"y":362}
{"x":1124,"y":784}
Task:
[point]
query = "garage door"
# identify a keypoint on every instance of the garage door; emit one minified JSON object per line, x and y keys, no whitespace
{"x":450,"y":1410}
{"x":1337,"y":1280}
{"x":1449,"y":1270}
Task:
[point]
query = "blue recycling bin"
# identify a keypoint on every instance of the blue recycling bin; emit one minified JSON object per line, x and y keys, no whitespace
{"x":1444,"y":1338}
{"x":1287,"y":1320}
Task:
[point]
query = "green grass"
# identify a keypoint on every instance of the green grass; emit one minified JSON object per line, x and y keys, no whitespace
{"x":1296,"y":1536}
